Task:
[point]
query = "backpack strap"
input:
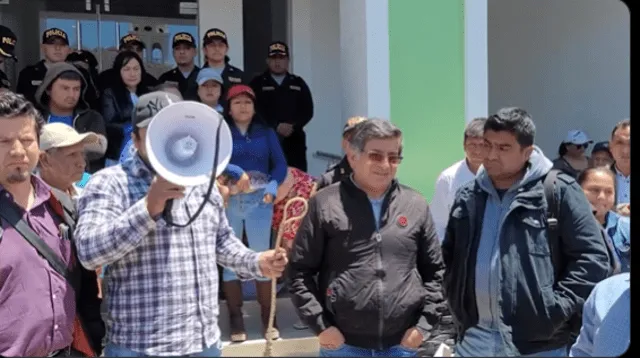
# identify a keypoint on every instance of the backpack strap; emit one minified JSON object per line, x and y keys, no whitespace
{"x":553,"y":218}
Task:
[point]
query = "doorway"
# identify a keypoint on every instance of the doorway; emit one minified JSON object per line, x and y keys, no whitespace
{"x":263,"y":22}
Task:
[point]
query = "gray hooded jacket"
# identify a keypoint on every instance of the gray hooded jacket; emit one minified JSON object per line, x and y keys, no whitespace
{"x":84,"y":119}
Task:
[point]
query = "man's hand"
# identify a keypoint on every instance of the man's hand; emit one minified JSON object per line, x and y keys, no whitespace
{"x":159,"y":193}
{"x":412,"y":338}
{"x":273,"y":262}
{"x":244,"y":183}
{"x":267,"y":199}
{"x":331,"y":338}
{"x":285,"y":129}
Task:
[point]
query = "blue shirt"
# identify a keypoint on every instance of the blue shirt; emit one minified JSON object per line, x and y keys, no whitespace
{"x":606,"y":320}
{"x":258,"y":150}
{"x":68,"y":120}
{"x":619,"y":230}
{"x":278,"y":78}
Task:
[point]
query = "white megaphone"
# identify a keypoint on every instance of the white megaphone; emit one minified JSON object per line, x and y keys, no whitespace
{"x":181,"y":143}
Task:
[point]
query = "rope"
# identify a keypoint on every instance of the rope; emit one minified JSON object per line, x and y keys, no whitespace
{"x":271,"y":335}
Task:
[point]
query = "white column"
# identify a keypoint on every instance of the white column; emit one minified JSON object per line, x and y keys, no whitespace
{"x":364,"y":58}
{"x":227,"y":16}
{"x":476,"y":65}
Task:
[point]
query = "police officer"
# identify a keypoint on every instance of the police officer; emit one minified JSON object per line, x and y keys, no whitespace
{"x":55,"y":47}
{"x":129,"y":42}
{"x":7,"y":47}
{"x":215,"y":47}
{"x":284,"y":100}
{"x":186,"y":73}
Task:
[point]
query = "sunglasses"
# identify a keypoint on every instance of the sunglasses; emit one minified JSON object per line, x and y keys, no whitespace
{"x":378,"y":157}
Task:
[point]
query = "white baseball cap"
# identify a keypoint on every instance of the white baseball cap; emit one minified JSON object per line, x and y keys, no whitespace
{"x":577,"y":137}
{"x":60,"y":135}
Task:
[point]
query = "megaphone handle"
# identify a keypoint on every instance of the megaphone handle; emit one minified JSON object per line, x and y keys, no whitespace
{"x":166,"y":213}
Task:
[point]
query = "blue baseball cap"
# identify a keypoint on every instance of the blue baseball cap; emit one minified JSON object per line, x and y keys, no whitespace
{"x":208,"y":74}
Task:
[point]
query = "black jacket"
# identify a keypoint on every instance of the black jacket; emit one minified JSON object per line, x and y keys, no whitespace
{"x":30,"y":79}
{"x":117,"y":109}
{"x":289,"y":102}
{"x":188,"y":86}
{"x":537,"y":300}
{"x":335,"y":174}
{"x":4,"y":80}
{"x":371,"y":303}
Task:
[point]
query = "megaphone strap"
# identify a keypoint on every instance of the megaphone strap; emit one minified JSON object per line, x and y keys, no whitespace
{"x":167,"y":210}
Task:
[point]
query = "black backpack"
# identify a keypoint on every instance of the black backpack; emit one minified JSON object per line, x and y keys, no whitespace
{"x":554,"y":238}
{"x":553,"y":235}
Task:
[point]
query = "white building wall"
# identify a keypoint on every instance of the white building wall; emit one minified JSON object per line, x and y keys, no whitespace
{"x":566,"y":62}
{"x":315,"y":47}
{"x":476,"y":67}
{"x":364,"y":58}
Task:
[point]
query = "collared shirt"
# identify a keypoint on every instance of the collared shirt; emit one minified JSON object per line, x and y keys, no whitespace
{"x":623,"y":188}
{"x":162,"y":297}
{"x":447,"y":184}
{"x":606,"y":320}
{"x":37,"y":305}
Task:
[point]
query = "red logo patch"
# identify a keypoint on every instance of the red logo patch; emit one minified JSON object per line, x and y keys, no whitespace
{"x":402,"y":221}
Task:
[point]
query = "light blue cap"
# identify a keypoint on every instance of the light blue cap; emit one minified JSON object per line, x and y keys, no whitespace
{"x":208,"y":74}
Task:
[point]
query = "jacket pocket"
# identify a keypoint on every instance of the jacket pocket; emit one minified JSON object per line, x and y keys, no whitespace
{"x":535,"y":308}
{"x":541,"y":268}
{"x":352,"y":303}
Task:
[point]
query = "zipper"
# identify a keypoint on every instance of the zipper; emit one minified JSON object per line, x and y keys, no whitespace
{"x":75,"y":118}
{"x":380,"y":285}
{"x":494,"y":310}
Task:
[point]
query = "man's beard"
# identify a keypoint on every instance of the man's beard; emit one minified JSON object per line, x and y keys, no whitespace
{"x":18,"y":177}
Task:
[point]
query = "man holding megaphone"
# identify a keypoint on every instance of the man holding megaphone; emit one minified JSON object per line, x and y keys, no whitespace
{"x":162,"y":295}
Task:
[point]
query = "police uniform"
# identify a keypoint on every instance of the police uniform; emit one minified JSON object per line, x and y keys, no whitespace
{"x":31,"y":77}
{"x":7,"y":48}
{"x":187,"y":85}
{"x":106,"y":77}
{"x":287,"y":102}
{"x":231,"y":75}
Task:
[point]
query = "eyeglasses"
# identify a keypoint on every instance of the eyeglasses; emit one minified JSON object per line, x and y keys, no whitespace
{"x":378,"y":157}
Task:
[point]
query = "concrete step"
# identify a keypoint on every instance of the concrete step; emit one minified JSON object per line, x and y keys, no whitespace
{"x":292,"y":342}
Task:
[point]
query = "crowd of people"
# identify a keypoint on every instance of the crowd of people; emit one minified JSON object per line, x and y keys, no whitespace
{"x":515,"y":254}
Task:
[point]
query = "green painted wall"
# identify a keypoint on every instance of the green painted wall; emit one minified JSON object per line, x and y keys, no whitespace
{"x":426,"y":45}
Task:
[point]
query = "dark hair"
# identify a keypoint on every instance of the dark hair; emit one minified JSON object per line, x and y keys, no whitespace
{"x":562,"y":149}
{"x":625,"y":123}
{"x":121,"y":60}
{"x":475,"y":128}
{"x":584,"y":175}
{"x":14,"y":105}
{"x":515,"y":121}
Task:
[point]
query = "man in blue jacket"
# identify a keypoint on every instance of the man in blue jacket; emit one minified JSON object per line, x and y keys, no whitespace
{"x":506,"y":293}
